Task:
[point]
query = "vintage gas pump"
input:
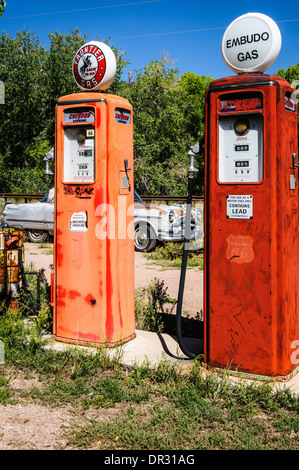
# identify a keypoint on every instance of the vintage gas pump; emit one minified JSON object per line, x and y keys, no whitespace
{"x":93,"y":276}
{"x":251,"y":208}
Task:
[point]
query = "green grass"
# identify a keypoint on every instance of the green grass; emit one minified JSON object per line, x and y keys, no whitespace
{"x":143,"y":407}
{"x":169,"y":255}
{"x":47,"y":248}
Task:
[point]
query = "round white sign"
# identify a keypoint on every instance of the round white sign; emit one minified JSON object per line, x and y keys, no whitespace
{"x":251,"y":43}
{"x":94,"y":66}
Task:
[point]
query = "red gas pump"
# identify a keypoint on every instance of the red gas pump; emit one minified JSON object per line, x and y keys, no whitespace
{"x":251,"y":218}
{"x":93,"y":277}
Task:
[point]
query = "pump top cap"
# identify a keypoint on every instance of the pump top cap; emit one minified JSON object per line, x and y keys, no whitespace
{"x":251,"y":43}
{"x":94,"y":66}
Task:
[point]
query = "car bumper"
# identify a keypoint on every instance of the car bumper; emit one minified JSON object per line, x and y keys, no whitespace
{"x":178,"y":236}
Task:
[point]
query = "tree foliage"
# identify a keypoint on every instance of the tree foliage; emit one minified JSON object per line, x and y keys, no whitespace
{"x":168,"y":112}
{"x":291,"y":75}
{"x":2,"y":5}
{"x":34,"y":78}
{"x":166,"y":124}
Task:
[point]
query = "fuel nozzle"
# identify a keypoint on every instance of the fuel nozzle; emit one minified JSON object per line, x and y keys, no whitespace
{"x":48,"y":158}
{"x":192,"y":168}
{"x":192,"y":153}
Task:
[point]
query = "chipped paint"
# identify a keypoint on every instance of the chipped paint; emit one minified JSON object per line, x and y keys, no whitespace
{"x":93,"y":281}
{"x":252,"y":265}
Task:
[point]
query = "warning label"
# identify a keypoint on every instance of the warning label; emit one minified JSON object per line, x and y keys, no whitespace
{"x":239,"y":206}
{"x":78,"y":222}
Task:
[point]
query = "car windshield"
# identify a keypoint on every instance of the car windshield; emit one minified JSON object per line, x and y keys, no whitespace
{"x":45,"y":198}
{"x":137,"y":198}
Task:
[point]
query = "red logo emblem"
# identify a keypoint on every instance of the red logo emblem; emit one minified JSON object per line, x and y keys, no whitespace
{"x":239,"y":248}
{"x":89,"y":66}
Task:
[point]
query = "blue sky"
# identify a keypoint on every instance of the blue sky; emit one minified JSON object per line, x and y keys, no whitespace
{"x":190,"y":32}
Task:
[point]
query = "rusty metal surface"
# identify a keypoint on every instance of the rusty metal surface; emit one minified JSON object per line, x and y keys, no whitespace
{"x":252,"y":266}
{"x":11,"y":250}
{"x":93,"y":280}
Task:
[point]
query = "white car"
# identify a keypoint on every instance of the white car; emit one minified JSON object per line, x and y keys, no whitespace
{"x":162,"y":222}
{"x":37,"y":218}
{"x":152,"y":221}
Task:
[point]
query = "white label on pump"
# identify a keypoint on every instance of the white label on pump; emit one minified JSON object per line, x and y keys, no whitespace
{"x":78,"y":222}
{"x":239,"y":206}
{"x":79,"y":156}
{"x":122,"y":116}
{"x":71,"y":117}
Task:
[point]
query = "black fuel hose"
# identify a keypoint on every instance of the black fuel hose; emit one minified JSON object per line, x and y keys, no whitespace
{"x":184,"y":261}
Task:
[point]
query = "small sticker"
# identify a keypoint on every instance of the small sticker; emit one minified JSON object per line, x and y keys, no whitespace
{"x":78,"y":222}
{"x":290,"y":101}
{"x":84,"y":115}
{"x":122,"y":116}
{"x":239,"y":206}
{"x":89,"y":132}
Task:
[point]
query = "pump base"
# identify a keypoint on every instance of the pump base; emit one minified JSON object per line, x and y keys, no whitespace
{"x":247,"y":375}
{"x":106,"y":344}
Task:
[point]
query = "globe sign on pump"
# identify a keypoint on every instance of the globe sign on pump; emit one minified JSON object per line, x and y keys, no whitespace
{"x":94,"y":66}
{"x":251,"y":43}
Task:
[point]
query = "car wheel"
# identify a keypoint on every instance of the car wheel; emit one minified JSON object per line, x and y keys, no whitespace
{"x":144,"y":238}
{"x":37,"y":236}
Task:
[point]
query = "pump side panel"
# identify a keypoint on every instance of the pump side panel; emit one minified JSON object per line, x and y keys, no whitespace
{"x":93,"y":267}
{"x":288,"y":239}
{"x":120,"y":245}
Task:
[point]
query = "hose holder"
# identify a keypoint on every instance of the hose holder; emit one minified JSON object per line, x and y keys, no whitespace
{"x":192,"y":170}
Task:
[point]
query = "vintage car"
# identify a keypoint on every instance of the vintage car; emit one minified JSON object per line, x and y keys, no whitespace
{"x":159,"y":222}
{"x":152,"y":222}
{"x":36,"y":218}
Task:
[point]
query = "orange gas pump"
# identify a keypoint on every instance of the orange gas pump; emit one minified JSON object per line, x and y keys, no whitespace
{"x":93,"y":276}
{"x":251,"y":223}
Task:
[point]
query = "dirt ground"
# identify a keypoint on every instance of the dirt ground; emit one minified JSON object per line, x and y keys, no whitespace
{"x":30,"y":426}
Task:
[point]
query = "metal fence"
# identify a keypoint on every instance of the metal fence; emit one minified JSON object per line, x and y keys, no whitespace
{"x":167,"y":199}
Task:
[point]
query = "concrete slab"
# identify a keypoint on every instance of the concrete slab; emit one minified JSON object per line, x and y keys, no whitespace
{"x":154,"y":347}
{"x":146,"y":347}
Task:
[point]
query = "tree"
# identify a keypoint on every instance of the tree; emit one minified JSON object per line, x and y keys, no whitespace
{"x":159,"y":146}
{"x":2,"y":5}
{"x":59,"y":80}
{"x":291,"y":74}
{"x":166,"y":124}
{"x":193,"y":88}
{"x":34,"y":79}
{"x":23,"y":115}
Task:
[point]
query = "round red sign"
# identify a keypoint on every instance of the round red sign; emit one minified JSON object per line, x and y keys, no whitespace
{"x":91,"y":69}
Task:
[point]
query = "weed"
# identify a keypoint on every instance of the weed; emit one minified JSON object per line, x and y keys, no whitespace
{"x":4,"y":388}
{"x":47,"y":248}
{"x":150,"y":302}
{"x":170,"y":255}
